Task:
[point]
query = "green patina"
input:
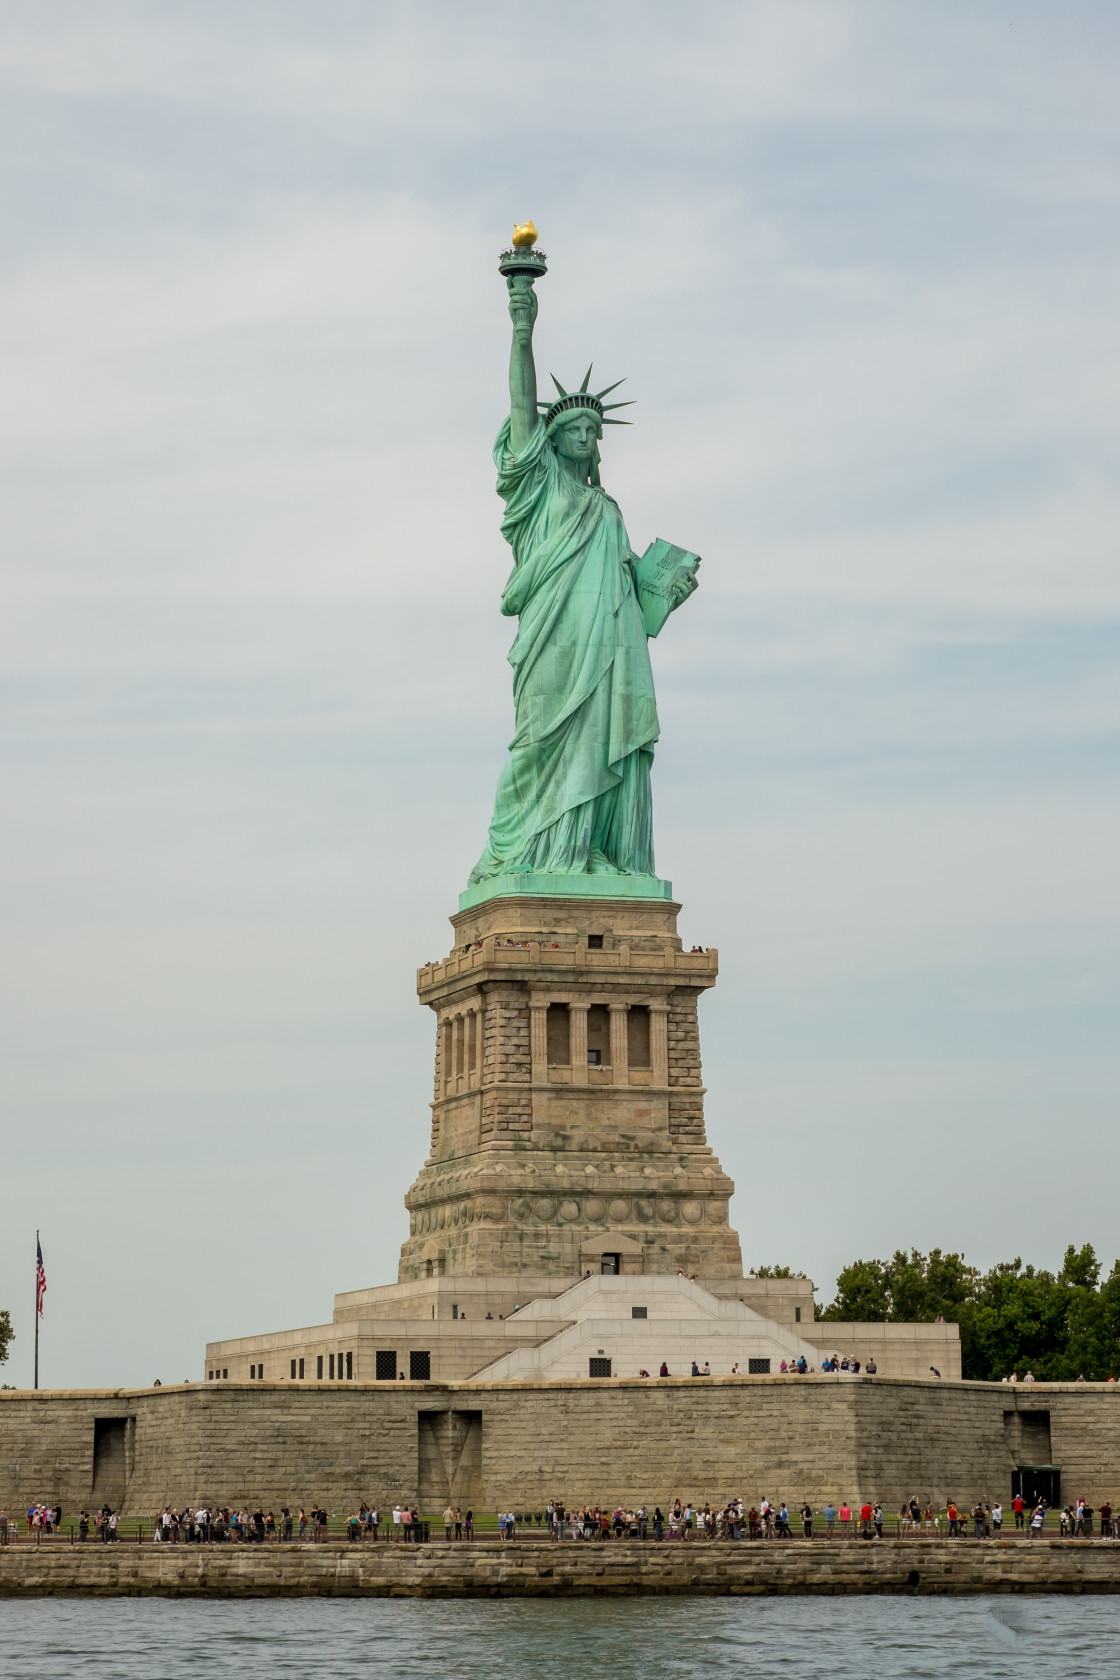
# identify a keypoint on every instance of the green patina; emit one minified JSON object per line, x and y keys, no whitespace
{"x":574,"y":812}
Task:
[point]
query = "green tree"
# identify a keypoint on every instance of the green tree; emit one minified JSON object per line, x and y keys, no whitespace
{"x":7,"y":1334}
{"x":775,"y":1272}
{"x":1012,"y":1318}
{"x":912,"y":1288}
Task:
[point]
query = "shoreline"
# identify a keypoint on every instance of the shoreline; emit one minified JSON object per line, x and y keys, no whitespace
{"x":520,"y":1569}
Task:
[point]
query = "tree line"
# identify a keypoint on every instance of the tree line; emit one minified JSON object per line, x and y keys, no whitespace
{"x":1059,"y":1325}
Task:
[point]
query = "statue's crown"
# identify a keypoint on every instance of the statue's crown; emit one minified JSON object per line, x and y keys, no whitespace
{"x":583,"y":398}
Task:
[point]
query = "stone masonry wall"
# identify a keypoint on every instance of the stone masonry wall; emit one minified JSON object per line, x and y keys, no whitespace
{"x":507,"y":1099}
{"x":686,"y":1099}
{"x":528,"y":1570}
{"x":796,"y":1438}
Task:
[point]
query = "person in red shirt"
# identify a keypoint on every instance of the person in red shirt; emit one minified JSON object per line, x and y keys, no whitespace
{"x":865,"y":1519}
{"x":1017,"y":1507}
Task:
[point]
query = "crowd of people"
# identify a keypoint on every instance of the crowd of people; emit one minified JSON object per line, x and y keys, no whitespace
{"x":683,"y":1520}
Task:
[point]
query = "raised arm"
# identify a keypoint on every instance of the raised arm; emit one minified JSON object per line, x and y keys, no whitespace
{"x":522,"y":369}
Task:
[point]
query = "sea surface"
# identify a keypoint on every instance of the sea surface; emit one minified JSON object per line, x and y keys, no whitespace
{"x":163,"y":1639}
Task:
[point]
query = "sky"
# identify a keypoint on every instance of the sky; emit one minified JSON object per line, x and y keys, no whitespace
{"x":858,"y":261}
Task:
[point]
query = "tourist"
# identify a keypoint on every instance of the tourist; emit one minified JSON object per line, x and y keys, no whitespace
{"x":302,"y":1523}
{"x":845,"y":1518}
{"x":951,"y":1513}
{"x":877,"y":1519}
{"x":658,"y":1524}
{"x":353,"y":1527}
{"x":459,"y":1523}
{"x":807,"y":1521}
{"x":1028,"y":1377}
{"x":1017,"y":1509}
{"x":1106,"y":1520}
{"x":978,"y":1521}
{"x":468,"y":1525}
{"x":829,"y":1520}
{"x":285,"y":1524}
{"x":997,"y":1519}
{"x":865,"y":1518}
{"x":448,"y":1521}
{"x":1038,"y":1520}
{"x":695,"y":1369}
{"x":664,"y":1371}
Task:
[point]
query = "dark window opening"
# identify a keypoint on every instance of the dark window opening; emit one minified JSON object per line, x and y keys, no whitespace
{"x":758,"y":1367}
{"x":225,"y":1373}
{"x":420,"y":1367}
{"x":598,"y":1367}
{"x":385,"y":1365}
{"x":293,"y":1367}
{"x":454,"y":1309}
{"x":594,"y":942}
{"x":559,"y":1035}
{"x":331,"y":1358}
{"x":349,"y":1366}
{"x":1037,"y":1481}
{"x":639,"y":1312}
{"x":252,"y":1373}
{"x":319,"y":1370}
{"x":610,"y":1264}
{"x":797,"y":1315}
{"x":637,"y":1035}
{"x":301,"y":1367}
{"x":209,"y":1376}
{"x":598,"y":1036}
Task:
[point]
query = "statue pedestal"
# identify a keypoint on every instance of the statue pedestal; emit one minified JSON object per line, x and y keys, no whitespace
{"x":568,"y":1120}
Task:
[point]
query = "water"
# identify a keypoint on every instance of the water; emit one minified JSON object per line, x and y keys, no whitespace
{"x":165,"y":1639}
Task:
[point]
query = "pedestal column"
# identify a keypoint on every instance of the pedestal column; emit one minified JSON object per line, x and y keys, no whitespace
{"x":659,"y":1040}
{"x":577,"y":1035}
{"x":538,"y":1040}
{"x":620,"y":1048}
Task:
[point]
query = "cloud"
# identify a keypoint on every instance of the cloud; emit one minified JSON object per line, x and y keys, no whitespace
{"x":858,"y":265}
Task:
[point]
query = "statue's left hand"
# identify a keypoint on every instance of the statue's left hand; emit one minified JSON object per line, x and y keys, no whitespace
{"x":686,"y":586}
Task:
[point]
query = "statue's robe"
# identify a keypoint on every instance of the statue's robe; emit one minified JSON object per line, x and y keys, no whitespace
{"x":574,"y":795}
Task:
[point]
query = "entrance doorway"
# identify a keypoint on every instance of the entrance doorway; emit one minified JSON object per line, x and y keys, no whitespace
{"x":1037,"y":1481}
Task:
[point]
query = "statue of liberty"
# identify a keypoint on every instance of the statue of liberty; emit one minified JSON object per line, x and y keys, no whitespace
{"x":574,"y":794}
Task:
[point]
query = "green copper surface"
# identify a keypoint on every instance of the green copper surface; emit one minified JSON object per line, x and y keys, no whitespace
{"x":573,"y":806}
{"x":565,"y":886}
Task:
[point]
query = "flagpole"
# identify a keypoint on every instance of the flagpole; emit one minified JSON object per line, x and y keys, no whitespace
{"x":36,"y":1309}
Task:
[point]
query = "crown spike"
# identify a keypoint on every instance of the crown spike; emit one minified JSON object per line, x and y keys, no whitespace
{"x":610,"y":388}
{"x":606,"y":407}
{"x":586,"y":378}
{"x":616,"y":422}
{"x":558,"y":385}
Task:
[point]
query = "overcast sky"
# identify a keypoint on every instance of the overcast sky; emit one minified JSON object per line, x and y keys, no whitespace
{"x":859,"y":264}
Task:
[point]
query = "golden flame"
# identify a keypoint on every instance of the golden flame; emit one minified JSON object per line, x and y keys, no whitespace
{"x":526,"y":235}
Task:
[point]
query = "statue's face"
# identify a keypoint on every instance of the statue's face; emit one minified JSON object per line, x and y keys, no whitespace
{"x":576,"y":438}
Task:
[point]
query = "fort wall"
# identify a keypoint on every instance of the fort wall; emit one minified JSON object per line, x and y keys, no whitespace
{"x":518,"y":1444}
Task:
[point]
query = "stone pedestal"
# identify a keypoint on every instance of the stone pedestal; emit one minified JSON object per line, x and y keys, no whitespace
{"x":568,"y":1116}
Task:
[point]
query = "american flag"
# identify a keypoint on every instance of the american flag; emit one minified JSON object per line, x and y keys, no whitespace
{"x":40,"y":1277}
